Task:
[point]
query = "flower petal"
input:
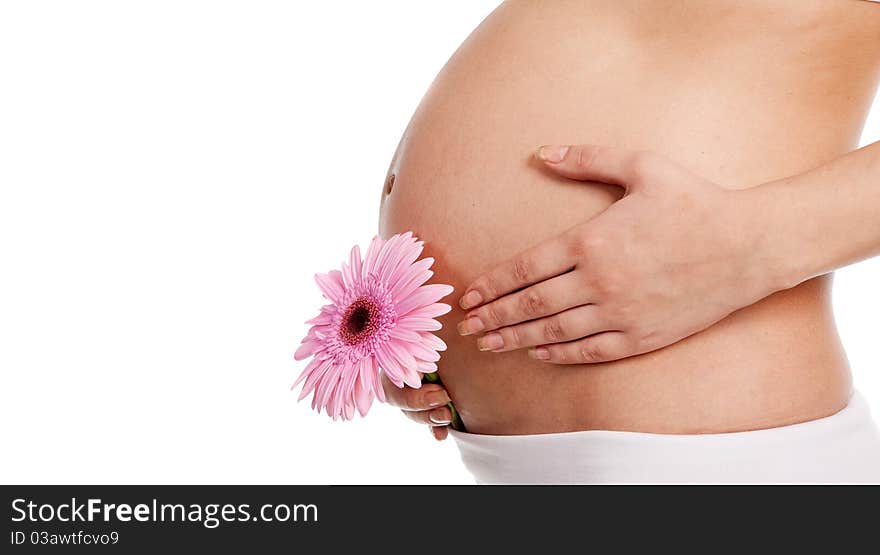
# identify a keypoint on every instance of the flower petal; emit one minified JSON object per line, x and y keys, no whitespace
{"x":390,"y":366}
{"x":407,"y":253}
{"x":347,"y":279}
{"x":412,"y":378}
{"x":332,"y":401}
{"x":426,"y":367}
{"x":354,"y":260}
{"x":327,"y":384}
{"x":363,"y":393}
{"x":313,"y":378}
{"x":375,"y":379}
{"x":430,"y":311}
{"x":423,"y":352}
{"x":404,"y":334}
{"x":388,"y":250}
{"x":420,"y":324}
{"x":407,"y":362}
{"x":423,"y":296}
{"x":322,"y":319}
{"x":346,"y":390}
{"x":331,"y":285}
{"x":370,"y":258}
{"x":433,"y":341}
{"x":400,"y":352}
{"x":307,"y":371}
{"x":416,"y":275}
{"x":306,"y":349}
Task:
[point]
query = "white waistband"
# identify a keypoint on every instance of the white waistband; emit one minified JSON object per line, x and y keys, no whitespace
{"x":841,"y":448}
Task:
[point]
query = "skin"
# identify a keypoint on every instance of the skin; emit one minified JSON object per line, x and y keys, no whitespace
{"x":658,"y":269}
{"x":557,"y":298}
{"x":579,"y":300}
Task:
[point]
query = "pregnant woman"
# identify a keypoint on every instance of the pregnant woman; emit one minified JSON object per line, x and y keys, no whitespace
{"x":647,"y":298}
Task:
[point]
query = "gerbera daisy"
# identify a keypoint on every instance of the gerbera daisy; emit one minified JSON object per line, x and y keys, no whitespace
{"x":379,"y":319}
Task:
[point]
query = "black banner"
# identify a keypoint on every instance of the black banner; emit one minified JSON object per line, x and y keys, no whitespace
{"x":134,"y":519}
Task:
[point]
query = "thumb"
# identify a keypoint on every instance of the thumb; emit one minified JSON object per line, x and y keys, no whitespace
{"x":616,"y":166}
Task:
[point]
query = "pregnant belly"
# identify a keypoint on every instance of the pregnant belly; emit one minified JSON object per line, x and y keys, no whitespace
{"x":464,"y":181}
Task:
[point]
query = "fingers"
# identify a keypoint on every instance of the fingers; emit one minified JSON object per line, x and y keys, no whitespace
{"x":441,"y":416}
{"x":440,"y":432}
{"x":541,"y":262}
{"x":537,"y":301}
{"x":602,"y":347}
{"x":426,"y":405}
{"x":427,"y":397}
{"x":568,"y":325}
{"x":616,"y":166}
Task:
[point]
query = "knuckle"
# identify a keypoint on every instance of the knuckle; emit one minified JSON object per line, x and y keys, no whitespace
{"x":553,"y":331}
{"x":585,"y":156}
{"x":493,"y":316}
{"x":559,"y":355}
{"x":588,"y":246}
{"x":532,"y":303}
{"x":590,"y":352}
{"x":521,"y":270}
{"x":418,"y":400}
{"x":513,"y":339}
{"x":486,"y":284}
{"x":594,"y":243}
{"x":491,"y":286}
{"x":607,"y":286}
{"x":576,"y":247}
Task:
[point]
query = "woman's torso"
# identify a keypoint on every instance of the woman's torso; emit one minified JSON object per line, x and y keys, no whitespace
{"x":741,"y":92}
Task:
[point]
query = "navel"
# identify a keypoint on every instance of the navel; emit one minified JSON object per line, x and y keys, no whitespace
{"x":389,"y":183}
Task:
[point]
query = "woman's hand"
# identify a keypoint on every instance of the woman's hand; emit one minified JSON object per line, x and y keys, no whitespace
{"x":426,"y":405}
{"x":676,"y":254}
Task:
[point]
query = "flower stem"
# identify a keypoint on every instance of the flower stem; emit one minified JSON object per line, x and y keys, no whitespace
{"x":457,"y":424}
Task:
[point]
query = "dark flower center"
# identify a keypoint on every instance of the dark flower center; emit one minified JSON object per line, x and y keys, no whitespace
{"x":359,"y":321}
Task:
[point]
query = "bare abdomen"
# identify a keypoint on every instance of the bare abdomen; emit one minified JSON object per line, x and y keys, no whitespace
{"x":465,"y":183}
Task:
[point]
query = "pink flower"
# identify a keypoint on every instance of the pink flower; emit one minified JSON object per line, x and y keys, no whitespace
{"x":380,"y":318}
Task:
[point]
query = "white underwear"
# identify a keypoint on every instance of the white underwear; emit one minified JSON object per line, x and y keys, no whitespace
{"x":841,"y":448}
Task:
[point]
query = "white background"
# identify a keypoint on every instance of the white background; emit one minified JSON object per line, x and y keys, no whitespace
{"x":172,"y":175}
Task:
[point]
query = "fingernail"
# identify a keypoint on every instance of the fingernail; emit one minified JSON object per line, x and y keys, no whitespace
{"x":439,"y":420}
{"x":470,"y":299}
{"x":436,"y":398}
{"x":539,"y":353}
{"x":490,"y":342}
{"x":552,"y":154}
{"x":470,"y":325}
